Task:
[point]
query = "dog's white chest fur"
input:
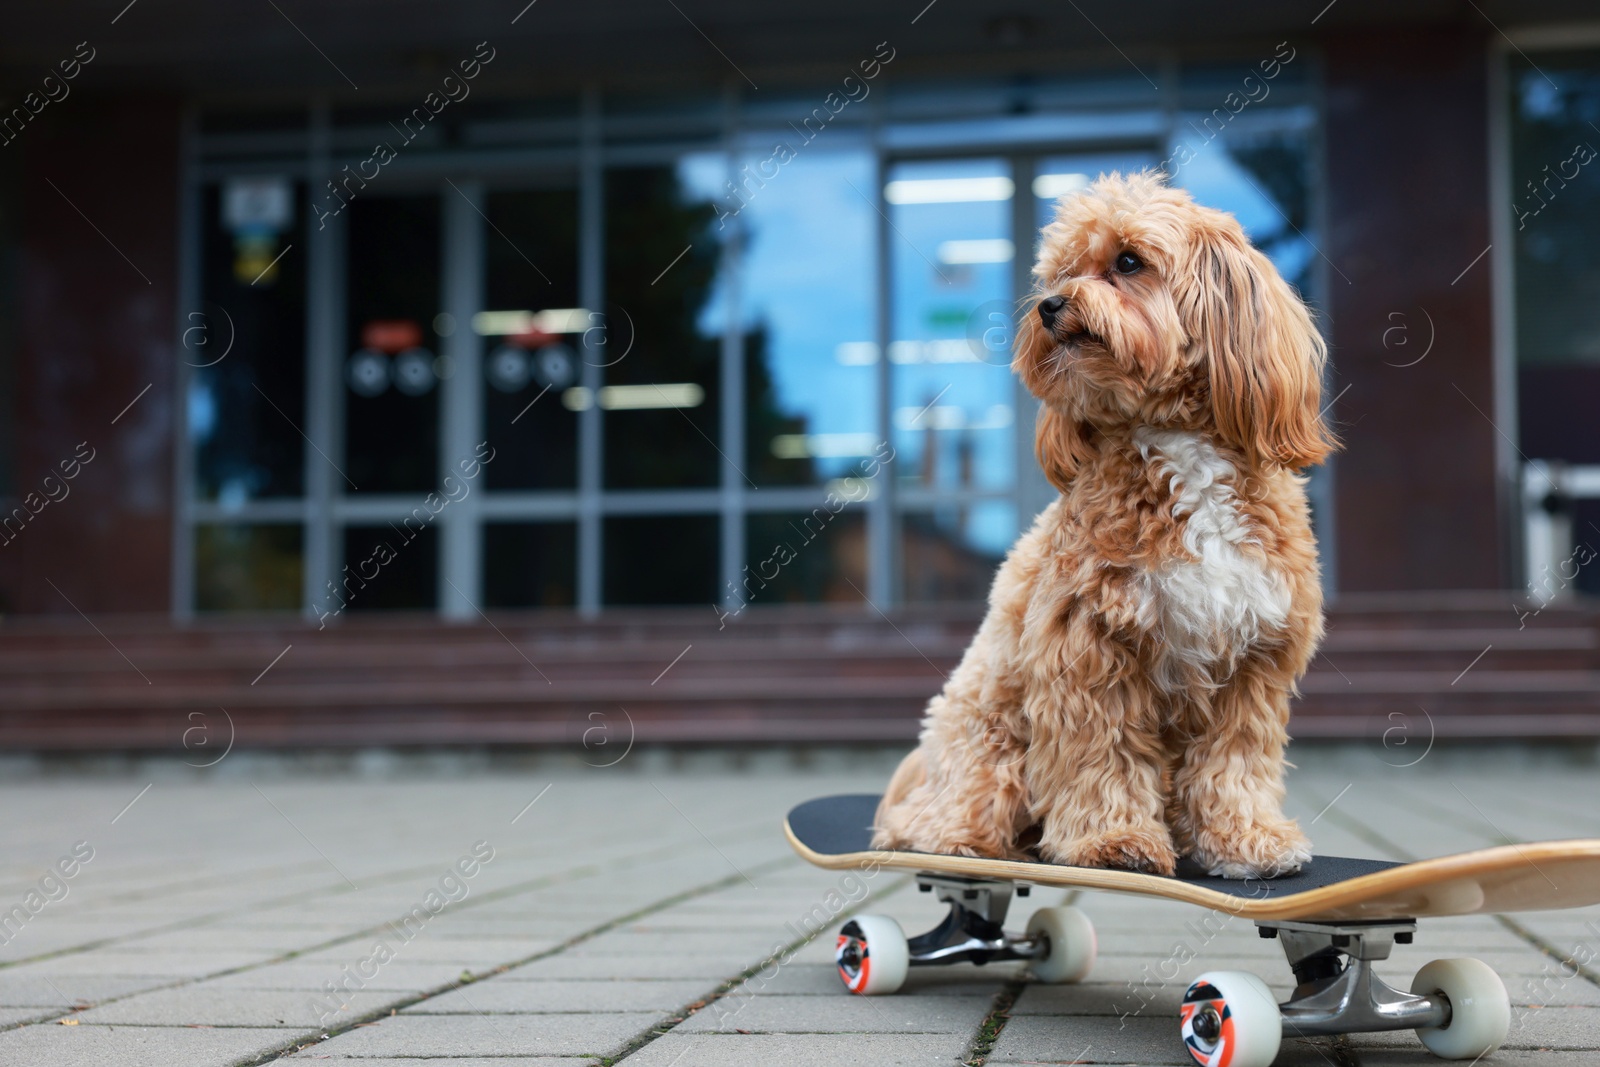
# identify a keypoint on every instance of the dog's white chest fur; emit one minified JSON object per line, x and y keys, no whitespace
{"x":1210,"y":607}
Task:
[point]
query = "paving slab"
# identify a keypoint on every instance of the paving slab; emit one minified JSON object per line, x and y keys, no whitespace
{"x":1083,"y":1039}
{"x":500,"y":996}
{"x":454,"y":1061}
{"x":229,"y":1006}
{"x":685,"y":964}
{"x":294,"y":974}
{"x":450,"y":1036}
{"x":156,"y":963}
{"x":1290,"y":1054}
{"x":797,"y":1050}
{"x":842,"y":1014}
{"x":134,"y":1046}
{"x":35,"y":988}
{"x":822,"y":979}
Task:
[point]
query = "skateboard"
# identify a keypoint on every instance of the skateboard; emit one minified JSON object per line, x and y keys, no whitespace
{"x":1333,"y":918}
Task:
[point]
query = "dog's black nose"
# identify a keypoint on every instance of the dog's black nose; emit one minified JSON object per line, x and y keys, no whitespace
{"x":1049,"y":308}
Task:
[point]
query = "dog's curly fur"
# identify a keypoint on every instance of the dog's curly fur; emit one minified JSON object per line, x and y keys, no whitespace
{"x":1127,"y":696}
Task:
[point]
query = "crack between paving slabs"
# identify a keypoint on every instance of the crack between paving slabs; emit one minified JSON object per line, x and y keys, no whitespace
{"x":988,"y":1033}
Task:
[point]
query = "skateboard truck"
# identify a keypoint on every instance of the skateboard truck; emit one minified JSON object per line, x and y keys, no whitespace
{"x":974,"y":929}
{"x":1337,"y":991}
{"x":873,"y":952}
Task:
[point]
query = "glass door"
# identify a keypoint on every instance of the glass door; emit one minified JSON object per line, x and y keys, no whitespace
{"x":391,"y":413}
{"x":535,"y":339}
{"x":963,"y":234}
{"x":952,"y":409}
{"x":458,"y":401}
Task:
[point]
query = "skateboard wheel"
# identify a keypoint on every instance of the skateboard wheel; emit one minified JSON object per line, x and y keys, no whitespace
{"x":872,"y":955}
{"x":1231,"y":1019}
{"x":1480,"y":1010}
{"x":1069,"y":937}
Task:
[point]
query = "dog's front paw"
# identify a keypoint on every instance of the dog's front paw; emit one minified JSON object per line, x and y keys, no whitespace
{"x":1127,"y":849}
{"x":1267,"y":850}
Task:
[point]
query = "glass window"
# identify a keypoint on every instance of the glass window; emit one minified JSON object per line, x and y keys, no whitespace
{"x":662,"y":559}
{"x":950,"y":553}
{"x":246,"y":344}
{"x":950,"y":254}
{"x":533,"y":335}
{"x":1555,"y":222}
{"x":1263,"y":179}
{"x":1058,"y":176}
{"x":529,"y":564}
{"x":248,"y":568}
{"x":391,"y":413}
{"x":805,"y":556}
{"x":663,"y":339}
{"x":389,"y":567}
{"x":809,"y":291}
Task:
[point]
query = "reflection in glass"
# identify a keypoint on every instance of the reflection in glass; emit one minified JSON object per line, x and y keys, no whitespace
{"x":532,"y":266}
{"x":1555,"y":211}
{"x":1555,"y":222}
{"x":389,"y":567}
{"x":391,"y":427}
{"x":804,"y":557}
{"x":1263,"y":180}
{"x":808,"y":296}
{"x":246,"y":344}
{"x":950,"y":257}
{"x":529,"y":564}
{"x":663,"y":387}
{"x":951,"y":552}
{"x":1058,"y":176}
{"x":248,"y":568}
{"x":661,"y":559}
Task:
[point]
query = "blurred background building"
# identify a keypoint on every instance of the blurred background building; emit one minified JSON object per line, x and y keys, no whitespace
{"x":354,"y":327}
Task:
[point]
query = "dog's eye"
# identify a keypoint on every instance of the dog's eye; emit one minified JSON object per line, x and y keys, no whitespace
{"x":1128,"y":263}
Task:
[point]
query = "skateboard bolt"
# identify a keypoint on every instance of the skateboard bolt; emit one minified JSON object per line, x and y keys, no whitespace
{"x":1207,"y":1025}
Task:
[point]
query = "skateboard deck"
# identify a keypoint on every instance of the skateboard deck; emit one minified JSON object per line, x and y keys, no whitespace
{"x":836,"y":832}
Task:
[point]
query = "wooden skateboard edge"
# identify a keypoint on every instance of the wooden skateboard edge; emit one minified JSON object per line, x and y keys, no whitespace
{"x":1327,"y":901}
{"x":1011,"y":870}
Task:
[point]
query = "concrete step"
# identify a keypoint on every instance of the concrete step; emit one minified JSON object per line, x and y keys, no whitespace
{"x":1464,"y":664}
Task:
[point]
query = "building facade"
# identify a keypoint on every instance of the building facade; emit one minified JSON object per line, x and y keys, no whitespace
{"x":734,"y":336}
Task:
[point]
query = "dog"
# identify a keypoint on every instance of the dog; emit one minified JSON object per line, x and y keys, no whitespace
{"x":1126,"y":699}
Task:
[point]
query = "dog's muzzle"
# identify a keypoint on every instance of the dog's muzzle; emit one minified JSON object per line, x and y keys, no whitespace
{"x":1049,"y":308}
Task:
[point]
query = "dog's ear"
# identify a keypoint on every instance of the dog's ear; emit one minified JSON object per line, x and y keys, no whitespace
{"x":1264,"y":355}
{"x":1061,"y":444}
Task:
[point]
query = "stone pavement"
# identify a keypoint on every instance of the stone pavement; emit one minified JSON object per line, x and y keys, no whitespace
{"x":655,"y":917}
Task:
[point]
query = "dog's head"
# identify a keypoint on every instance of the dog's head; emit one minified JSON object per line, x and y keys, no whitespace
{"x":1152,"y":310}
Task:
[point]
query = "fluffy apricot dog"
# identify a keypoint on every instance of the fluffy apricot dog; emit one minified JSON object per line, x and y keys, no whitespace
{"x":1127,"y":696}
